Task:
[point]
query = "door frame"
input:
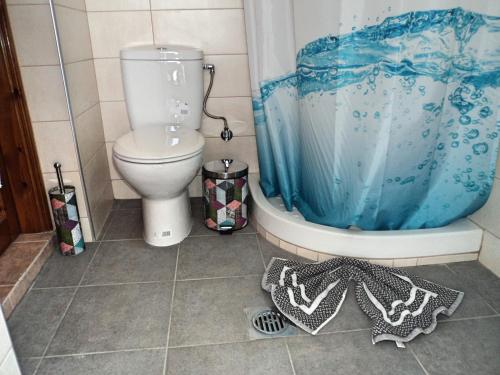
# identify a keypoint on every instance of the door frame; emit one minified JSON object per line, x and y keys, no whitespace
{"x":23,"y":166}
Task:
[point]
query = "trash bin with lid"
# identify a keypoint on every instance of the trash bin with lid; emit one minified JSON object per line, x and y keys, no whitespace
{"x":225,"y":194}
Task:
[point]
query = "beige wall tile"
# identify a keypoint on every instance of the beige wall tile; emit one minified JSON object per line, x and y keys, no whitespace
{"x":122,"y":190}
{"x":232,"y":77}
{"x":291,"y":248}
{"x":112,"y":170}
{"x":109,"y":79}
{"x":102,"y":209}
{"x":96,"y":5}
{"x":195,"y":4}
{"x":45,"y":93}
{"x":82,"y":86}
{"x":33,"y":35}
{"x":382,"y":262}
{"x":308,"y":254}
{"x":238,"y":112}
{"x":272,"y":239}
{"x":194,"y":188}
{"x":261,"y":230}
{"x":406,"y":262}
{"x":447,"y":259}
{"x":214,"y":31}
{"x":86,"y":231}
{"x":489,"y":215}
{"x":324,"y":257}
{"x":89,"y":133}
{"x":96,"y":174}
{"x":54,"y":142}
{"x":74,"y":34}
{"x":490,"y":253}
{"x":70,"y":178}
{"x":240,"y":148}
{"x":24,"y":2}
{"x":115,"y":120}
{"x":75,"y":4}
{"x":111,"y":31}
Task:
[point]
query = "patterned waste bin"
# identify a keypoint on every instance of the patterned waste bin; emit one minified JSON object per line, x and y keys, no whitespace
{"x":225,"y":195}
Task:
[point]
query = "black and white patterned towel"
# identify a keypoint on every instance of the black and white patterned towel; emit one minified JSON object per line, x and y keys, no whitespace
{"x":400,"y":305}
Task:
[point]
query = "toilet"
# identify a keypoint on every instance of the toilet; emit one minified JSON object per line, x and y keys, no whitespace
{"x":162,"y":153}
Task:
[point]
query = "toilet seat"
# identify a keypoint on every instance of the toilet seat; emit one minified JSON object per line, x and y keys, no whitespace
{"x":157,"y":144}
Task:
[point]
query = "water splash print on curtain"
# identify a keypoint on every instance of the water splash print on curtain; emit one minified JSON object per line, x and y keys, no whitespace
{"x":391,"y":126}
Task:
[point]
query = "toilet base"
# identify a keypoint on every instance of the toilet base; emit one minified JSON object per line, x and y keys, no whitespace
{"x":166,"y":222}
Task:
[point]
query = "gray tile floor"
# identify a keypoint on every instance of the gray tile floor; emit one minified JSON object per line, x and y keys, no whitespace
{"x":124,"y":307}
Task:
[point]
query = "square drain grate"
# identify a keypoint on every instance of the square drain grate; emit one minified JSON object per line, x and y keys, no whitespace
{"x":265,"y":322}
{"x":270,"y":322}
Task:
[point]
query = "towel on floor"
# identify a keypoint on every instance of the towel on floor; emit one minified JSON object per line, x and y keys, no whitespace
{"x":400,"y":305}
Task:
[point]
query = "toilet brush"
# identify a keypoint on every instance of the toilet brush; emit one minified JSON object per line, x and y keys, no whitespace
{"x":66,"y":216}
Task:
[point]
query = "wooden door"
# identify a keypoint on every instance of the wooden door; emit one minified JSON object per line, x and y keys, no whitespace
{"x":9,"y":224}
{"x":23,"y":200}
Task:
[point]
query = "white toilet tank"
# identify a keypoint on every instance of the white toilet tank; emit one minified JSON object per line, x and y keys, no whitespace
{"x":163,"y":85}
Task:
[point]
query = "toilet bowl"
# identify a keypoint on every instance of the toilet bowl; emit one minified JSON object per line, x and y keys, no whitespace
{"x":162,"y":153}
{"x":159,"y":162}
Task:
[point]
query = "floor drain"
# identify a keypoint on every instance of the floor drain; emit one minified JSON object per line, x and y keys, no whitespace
{"x":269,"y":322}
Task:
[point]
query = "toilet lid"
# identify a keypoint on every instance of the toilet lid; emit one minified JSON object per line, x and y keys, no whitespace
{"x":158,"y":143}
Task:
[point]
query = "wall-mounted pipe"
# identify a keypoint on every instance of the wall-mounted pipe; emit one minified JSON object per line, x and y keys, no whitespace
{"x":226,"y":134}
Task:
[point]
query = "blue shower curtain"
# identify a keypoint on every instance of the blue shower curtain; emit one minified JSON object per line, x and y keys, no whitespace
{"x":376,"y":116}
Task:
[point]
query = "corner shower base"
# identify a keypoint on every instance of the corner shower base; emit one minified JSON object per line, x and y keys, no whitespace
{"x":459,"y":241}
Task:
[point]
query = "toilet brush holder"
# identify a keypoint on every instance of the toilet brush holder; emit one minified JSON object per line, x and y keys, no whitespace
{"x":66,"y":217}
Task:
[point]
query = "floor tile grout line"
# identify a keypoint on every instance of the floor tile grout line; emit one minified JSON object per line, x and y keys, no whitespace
{"x":105,"y":352}
{"x":107,"y":225}
{"x":218,"y":234}
{"x":97,"y":352}
{"x":54,"y":287}
{"x":33,"y":287}
{"x":190,"y":346}
{"x":267,"y":338}
{"x":104,"y":284}
{"x":34,"y":281}
{"x":226,"y":342}
{"x":336,"y":332}
{"x":125,"y":283}
{"x":65,"y":311}
{"x":123,"y":239}
{"x":39,"y":363}
{"x":290,"y":357}
{"x":473,"y":287}
{"x":145,"y":282}
{"x":418,"y":360}
{"x":220,"y":277}
{"x":470,"y":318}
{"x":171,"y":310}
{"x":260,"y":251}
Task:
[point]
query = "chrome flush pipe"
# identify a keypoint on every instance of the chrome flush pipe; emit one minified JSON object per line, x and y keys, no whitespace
{"x":226,"y":134}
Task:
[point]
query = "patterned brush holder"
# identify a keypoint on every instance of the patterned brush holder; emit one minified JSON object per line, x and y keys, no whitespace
{"x":67,"y":220}
{"x":225,"y":195}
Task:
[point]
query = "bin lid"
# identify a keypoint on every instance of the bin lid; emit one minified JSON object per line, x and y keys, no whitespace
{"x":224,"y":169}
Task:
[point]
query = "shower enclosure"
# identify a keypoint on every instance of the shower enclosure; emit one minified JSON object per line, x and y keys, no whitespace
{"x":376,"y":121}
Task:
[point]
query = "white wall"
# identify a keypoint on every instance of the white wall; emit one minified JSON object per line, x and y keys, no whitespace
{"x":488,"y":218}
{"x":215,"y":26}
{"x":8,"y":360}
